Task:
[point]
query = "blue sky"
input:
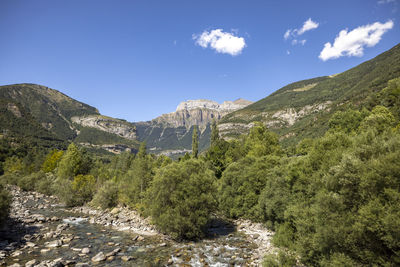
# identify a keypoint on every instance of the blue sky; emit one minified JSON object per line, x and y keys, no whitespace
{"x":138,"y":59}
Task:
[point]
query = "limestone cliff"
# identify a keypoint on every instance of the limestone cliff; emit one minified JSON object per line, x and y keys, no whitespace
{"x":172,"y":133}
{"x":199,"y":112}
{"x":107,"y":124}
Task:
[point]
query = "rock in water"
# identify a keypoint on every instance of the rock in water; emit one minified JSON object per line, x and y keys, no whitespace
{"x":85,"y":251}
{"x":54,"y":244}
{"x":31,"y":263}
{"x":126,"y":258}
{"x":99,"y":257}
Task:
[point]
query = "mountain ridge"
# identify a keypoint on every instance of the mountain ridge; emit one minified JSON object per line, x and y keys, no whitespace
{"x":302,"y":109}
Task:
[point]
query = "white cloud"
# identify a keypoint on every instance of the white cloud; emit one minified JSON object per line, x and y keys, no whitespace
{"x":287,"y":34}
{"x":385,"y":1}
{"x":287,"y":52}
{"x":302,"y":42}
{"x":220,"y":41}
{"x":307,"y":26}
{"x":352,"y":43}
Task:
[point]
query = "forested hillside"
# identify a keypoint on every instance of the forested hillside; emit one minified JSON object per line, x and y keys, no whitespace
{"x":41,"y":117}
{"x":303,"y":109}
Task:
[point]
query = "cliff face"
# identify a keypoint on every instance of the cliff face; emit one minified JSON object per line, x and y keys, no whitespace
{"x":241,"y":123}
{"x":107,"y":124}
{"x":199,"y":112}
{"x":172,"y":132}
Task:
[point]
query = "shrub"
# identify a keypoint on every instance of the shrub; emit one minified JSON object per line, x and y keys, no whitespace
{"x":45,"y":184}
{"x":282,"y":259}
{"x":5,"y":201}
{"x":30,"y":181}
{"x":76,"y":192}
{"x":241,"y":185}
{"x":181,"y":198}
{"x":106,"y":196}
{"x":83,"y":187}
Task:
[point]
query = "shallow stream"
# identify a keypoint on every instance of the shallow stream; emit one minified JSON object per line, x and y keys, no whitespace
{"x":74,"y":232}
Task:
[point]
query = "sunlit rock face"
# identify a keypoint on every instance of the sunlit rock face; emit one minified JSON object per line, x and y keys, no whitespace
{"x":199,"y":112}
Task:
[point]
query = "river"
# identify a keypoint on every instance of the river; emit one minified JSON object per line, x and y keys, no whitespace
{"x":42,"y":232}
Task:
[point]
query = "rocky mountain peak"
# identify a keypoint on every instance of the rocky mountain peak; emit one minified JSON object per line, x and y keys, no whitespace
{"x":226,"y":106}
{"x":199,"y":112}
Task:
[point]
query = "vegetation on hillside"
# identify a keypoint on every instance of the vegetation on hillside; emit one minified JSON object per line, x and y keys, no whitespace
{"x":350,"y":89}
{"x":37,"y":116}
{"x":49,"y":107}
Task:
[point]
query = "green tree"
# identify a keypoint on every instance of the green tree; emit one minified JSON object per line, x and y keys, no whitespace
{"x":195,"y":142}
{"x":136,"y":181}
{"x":379,"y":120}
{"x":75,"y":161}
{"x":241,"y":184}
{"x":390,"y":97}
{"x":261,"y":142}
{"x":181,"y":198}
{"x":142,"y":150}
{"x":214,"y":134}
{"x":216,"y":154}
{"x":83,"y":187}
{"x":51,"y":161}
{"x":347,"y":121}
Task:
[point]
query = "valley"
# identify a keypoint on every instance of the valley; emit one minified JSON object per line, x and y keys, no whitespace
{"x":307,"y":176}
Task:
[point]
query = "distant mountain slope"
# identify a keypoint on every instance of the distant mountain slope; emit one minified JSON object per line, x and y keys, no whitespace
{"x":19,"y":126}
{"x":172,"y":133}
{"x":56,"y":116}
{"x":51,"y":108}
{"x":302,"y":109}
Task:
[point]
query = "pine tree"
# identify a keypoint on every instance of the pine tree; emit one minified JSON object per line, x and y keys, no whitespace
{"x":195,"y":142}
{"x":214,"y":133}
{"x":142,"y":150}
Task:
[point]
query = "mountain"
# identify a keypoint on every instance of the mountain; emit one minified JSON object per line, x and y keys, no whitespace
{"x":47,"y":114}
{"x":51,"y":117}
{"x":172,"y":133}
{"x":302,"y":109}
{"x":39,"y":115}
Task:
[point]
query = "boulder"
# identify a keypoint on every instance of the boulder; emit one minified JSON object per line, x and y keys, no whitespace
{"x":99,"y":257}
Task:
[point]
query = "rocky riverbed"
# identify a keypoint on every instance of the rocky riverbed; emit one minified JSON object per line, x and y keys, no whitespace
{"x":42,"y":232}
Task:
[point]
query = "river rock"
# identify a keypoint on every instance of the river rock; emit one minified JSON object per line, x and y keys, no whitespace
{"x":45,"y":250}
{"x":30,"y":244}
{"x":85,"y":251}
{"x":31,"y":263}
{"x":113,"y":253}
{"x":56,"y":263}
{"x":16,"y":253}
{"x":114,"y":211}
{"x":99,"y":257}
{"x":54,"y":244}
{"x":126,"y":258}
